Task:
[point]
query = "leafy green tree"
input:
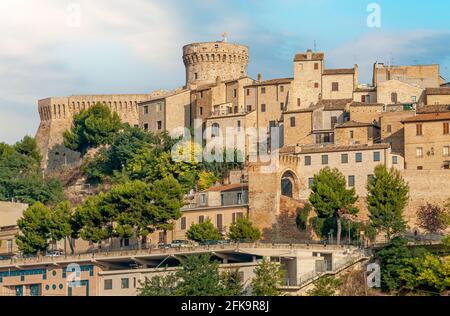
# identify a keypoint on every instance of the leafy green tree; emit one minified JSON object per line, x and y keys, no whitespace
{"x":20,"y":175}
{"x":426,"y":273}
{"x":199,"y":276}
{"x":268,"y":279}
{"x":232,"y":283}
{"x":92,"y":128}
{"x":302,"y":216}
{"x":130,"y":209}
{"x":159,"y":286}
{"x":28,"y":147}
{"x":446,"y":241}
{"x":243,"y":230}
{"x":60,"y":222}
{"x":325,"y":286}
{"x":34,"y":229}
{"x":203,"y":232}
{"x":206,"y":180}
{"x":331,"y":198}
{"x":386,"y":200}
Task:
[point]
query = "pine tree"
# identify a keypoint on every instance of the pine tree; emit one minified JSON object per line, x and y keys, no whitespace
{"x":330,"y":197}
{"x":268,"y":279}
{"x":386,"y":200}
{"x":244,"y":231}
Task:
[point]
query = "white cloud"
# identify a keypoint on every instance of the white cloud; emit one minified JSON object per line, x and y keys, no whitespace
{"x":406,"y":47}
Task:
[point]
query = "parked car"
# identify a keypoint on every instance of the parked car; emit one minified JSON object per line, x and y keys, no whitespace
{"x":163,"y":246}
{"x":181,"y":244}
{"x":54,"y":253}
{"x":214,"y":242}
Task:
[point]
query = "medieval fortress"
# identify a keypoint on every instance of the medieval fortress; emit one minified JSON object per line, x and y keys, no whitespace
{"x":326,"y":118}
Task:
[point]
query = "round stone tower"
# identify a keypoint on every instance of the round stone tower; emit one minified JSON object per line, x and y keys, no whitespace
{"x":206,"y":61}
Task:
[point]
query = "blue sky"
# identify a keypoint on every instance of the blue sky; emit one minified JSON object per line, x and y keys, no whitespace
{"x":134,"y":46}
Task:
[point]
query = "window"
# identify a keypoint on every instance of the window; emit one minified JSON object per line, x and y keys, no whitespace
{"x":239,"y":126}
{"x":446,"y":128}
{"x":376,"y":156}
{"x":419,"y":152}
{"x":299,"y":102}
{"x":334,"y":121}
{"x":249,"y":108}
{"x":419,"y":130}
{"x":146,"y":109}
{"x":351,"y":181}
{"x":281,"y":88}
{"x":162,"y":237}
{"x":363,"y":99}
{"x":310,"y":183}
{"x":235,"y":93}
{"x":239,"y":198}
{"x":183,"y":223}
{"x":263,"y":90}
{"x":219,"y":222}
{"x":292,"y":119}
{"x":307,"y":160}
{"x":446,"y":151}
{"x":145,"y":127}
{"x":414,"y":99}
{"x":201,"y":110}
{"x":201,"y":219}
{"x":108,"y":284}
{"x":201,"y":94}
{"x":125,"y":283}
{"x":394,"y":97}
{"x":203,"y":198}
{"x":159,"y":125}
{"x":196,"y":76}
{"x":316,"y":85}
{"x":335,"y":86}
{"x":389,"y":128}
{"x":215,"y":131}
{"x":324,"y":159}
{"x":316,"y":66}
{"x":358,"y":157}
{"x":344,"y":158}
{"x":282,"y":106}
{"x":263,"y":108}
{"x":236,"y":109}
{"x":419,"y":167}
{"x":235,"y":216}
{"x":351,"y":134}
{"x":159,"y":108}
{"x":447,"y":167}
{"x":248,"y":91}
{"x":222,"y":199}
{"x":394,"y":160}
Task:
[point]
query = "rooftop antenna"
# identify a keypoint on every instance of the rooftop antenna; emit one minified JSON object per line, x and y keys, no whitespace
{"x":315,"y":46}
{"x":225,"y":37}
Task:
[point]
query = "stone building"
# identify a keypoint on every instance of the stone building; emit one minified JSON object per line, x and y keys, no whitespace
{"x":9,"y":215}
{"x":427,"y":141}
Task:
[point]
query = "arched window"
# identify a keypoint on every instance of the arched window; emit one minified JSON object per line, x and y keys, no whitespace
{"x":215,"y":130}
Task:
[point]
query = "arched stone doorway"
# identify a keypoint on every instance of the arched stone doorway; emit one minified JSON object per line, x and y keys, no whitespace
{"x":289,"y":184}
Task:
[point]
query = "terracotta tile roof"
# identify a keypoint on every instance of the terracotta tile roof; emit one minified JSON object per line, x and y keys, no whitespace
{"x":304,"y":57}
{"x":436,"y":108}
{"x":342,"y":71}
{"x":361,"y":104}
{"x":429,"y":117}
{"x":349,"y":124}
{"x":229,"y":187}
{"x":328,"y":149}
{"x":336,"y":104}
{"x":438,"y":91}
{"x":272,"y":82}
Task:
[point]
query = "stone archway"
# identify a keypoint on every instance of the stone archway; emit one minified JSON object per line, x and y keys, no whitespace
{"x":289,"y":186}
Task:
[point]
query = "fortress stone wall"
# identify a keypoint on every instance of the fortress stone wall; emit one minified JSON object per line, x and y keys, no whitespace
{"x":56,"y":114}
{"x":206,"y":61}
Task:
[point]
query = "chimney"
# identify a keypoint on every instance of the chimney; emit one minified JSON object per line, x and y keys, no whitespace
{"x":259,"y":78}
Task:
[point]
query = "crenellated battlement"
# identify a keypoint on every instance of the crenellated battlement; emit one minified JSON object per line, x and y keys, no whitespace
{"x":206,"y":61}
